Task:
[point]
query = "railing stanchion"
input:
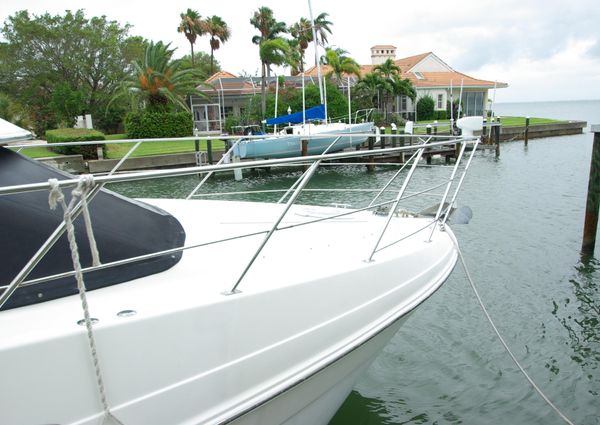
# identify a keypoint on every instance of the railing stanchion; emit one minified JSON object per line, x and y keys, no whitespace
{"x":304,"y":180}
{"x":397,"y":201}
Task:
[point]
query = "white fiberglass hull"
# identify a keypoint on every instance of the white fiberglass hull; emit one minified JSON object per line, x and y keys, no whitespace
{"x":321,"y":137}
{"x":311,"y":314}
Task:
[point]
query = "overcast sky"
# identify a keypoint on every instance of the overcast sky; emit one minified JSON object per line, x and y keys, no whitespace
{"x":544,"y":49}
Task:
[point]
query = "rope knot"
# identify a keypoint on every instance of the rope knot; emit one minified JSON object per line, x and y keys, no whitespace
{"x":55,"y":196}
{"x":86,"y":181}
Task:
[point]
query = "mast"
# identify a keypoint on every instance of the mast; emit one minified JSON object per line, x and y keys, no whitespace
{"x":276,"y":98}
{"x":314,"y":32}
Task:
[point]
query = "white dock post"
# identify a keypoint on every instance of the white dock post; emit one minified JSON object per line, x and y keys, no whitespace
{"x":237,"y":173}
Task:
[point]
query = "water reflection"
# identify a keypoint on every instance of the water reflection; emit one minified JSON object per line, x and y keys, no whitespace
{"x":580,"y":318}
{"x":358,"y":409}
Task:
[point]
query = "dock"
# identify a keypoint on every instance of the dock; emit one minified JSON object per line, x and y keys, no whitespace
{"x":493,"y":134}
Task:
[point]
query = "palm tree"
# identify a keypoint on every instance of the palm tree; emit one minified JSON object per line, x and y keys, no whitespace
{"x":370,"y":87}
{"x":268,"y":27}
{"x":404,"y":87}
{"x":393,"y":84}
{"x":190,"y":27}
{"x":219,"y":33}
{"x":296,"y":62}
{"x":340,"y":64}
{"x":301,"y":31}
{"x":275,"y":51}
{"x":322,"y":27}
{"x":158,"y":81}
{"x":338,"y":51}
{"x":388,"y":68}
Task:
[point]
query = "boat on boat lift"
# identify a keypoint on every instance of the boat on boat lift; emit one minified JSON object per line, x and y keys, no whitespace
{"x":301,"y":126}
{"x":204,"y":312}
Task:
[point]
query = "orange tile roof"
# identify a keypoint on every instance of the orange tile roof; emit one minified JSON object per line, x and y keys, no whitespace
{"x":443,"y":79}
{"x":220,"y":74}
{"x":383,"y":46}
{"x":406,"y":64}
{"x":431,"y":79}
{"x":228,"y":82}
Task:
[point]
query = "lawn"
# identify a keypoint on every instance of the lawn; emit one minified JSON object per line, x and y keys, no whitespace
{"x":160,"y":148}
{"x":520,"y":121}
{"x":117,"y":151}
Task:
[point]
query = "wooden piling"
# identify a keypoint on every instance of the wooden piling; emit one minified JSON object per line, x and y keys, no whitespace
{"x":395,"y":137}
{"x":593,"y":198}
{"x":428,"y":129}
{"x":497,"y":136}
{"x":382,"y":136}
{"x":209,"y":152}
{"x":526,"y":130}
{"x":305,"y":150}
{"x":435,"y":128}
{"x":484,"y":137}
{"x":371,"y":166}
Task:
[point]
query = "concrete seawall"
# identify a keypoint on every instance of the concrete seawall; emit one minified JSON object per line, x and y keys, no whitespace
{"x":148,"y":162}
{"x":543,"y":130}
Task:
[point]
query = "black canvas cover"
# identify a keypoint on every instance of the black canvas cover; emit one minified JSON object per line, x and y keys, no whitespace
{"x":123,"y":228}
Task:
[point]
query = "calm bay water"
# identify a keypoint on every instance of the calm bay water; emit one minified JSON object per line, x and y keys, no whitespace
{"x":522,"y":248}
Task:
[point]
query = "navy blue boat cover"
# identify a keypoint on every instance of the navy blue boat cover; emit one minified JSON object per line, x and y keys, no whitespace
{"x":123,"y":228}
{"x":316,"y":113}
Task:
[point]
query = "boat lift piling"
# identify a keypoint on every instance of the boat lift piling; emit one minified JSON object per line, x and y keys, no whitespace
{"x":526,"y":138}
{"x":305,"y":150}
{"x":590,"y":227}
{"x":497,"y":135}
{"x":371,"y":141}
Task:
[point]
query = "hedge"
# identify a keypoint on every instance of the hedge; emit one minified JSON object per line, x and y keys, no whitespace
{"x":148,"y":125}
{"x":441,"y":115}
{"x":65,"y":135}
{"x":425,"y":108}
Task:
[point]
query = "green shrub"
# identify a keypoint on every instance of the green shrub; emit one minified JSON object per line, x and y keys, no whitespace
{"x":396,"y":119}
{"x":425,"y":108}
{"x":148,"y":125}
{"x":378,"y":118}
{"x":65,"y":135}
{"x":440,"y":115}
{"x":230,"y":122}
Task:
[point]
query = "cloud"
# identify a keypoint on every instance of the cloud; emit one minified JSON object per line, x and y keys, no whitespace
{"x":594,"y":49}
{"x":568,"y":74}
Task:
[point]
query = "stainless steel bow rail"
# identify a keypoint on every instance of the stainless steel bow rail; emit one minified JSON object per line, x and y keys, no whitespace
{"x":447,"y":198}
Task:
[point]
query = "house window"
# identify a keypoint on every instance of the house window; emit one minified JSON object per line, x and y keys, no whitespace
{"x":472,"y":103}
{"x":403,"y":103}
{"x":440,"y":101}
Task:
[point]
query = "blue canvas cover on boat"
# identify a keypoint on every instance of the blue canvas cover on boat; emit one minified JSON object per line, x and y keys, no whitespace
{"x":316,"y":113}
{"x":123,"y":228}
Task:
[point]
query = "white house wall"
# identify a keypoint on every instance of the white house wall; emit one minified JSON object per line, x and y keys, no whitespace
{"x":431,"y":64}
{"x":434,"y":95}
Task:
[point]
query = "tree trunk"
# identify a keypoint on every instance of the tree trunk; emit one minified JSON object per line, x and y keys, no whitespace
{"x":211,"y":61}
{"x":192,"y":46}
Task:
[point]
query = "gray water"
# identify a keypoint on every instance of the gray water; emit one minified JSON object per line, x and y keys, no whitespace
{"x":445,"y":366}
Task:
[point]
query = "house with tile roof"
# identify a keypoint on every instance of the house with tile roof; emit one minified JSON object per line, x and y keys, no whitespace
{"x":431,"y":76}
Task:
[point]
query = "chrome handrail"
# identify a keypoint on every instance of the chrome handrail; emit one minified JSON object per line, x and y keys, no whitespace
{"x":297,"y":188}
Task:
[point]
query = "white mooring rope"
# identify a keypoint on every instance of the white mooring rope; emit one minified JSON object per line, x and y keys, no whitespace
{"x":56,"y":197}
{"x":512,"y":356}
